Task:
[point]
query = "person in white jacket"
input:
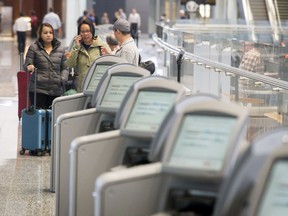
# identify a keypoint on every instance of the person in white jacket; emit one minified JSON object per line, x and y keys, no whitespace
{"x":135,"y":22}
{"x":20,"y":27}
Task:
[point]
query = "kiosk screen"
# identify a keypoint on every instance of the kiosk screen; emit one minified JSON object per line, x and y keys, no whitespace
{"x":149,"y":110}
{"x":202,"y":142}
{"x":116,"y":90}
{"x":274,"y":199}
{"x":96,"y":76}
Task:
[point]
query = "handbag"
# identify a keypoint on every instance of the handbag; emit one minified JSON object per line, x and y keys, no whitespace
{"x":148,"y":65}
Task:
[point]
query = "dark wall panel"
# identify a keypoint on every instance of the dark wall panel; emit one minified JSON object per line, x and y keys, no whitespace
{"x":39,"y":6}
{"x":109,"y":6}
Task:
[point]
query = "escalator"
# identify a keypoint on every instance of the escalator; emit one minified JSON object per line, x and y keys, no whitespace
{"x":259,"y":10}
{"x":272,"y":14}
{"x":281,"y":7}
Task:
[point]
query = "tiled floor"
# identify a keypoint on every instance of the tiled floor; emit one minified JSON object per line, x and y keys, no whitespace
{"x":24,"y":179}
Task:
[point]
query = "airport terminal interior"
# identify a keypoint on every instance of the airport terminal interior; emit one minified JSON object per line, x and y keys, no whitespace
{"x":206,"y":134}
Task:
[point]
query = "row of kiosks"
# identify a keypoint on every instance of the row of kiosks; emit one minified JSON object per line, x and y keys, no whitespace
{"x":203,"y":170}
{"x":198,"y":145}
{"x":78,"y":101}
{"x":142,"y":111}
{"x":105,"y":102}
{"x":270,"y":196}
{"x":258,"y":184}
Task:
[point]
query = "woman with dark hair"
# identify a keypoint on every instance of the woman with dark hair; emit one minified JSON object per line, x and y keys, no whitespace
{"x":48,"y":56}
{"x":86,"y":48}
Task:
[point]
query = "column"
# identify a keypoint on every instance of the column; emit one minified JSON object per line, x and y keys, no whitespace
{"x":232,"y":11}
{"x":74,"y":10}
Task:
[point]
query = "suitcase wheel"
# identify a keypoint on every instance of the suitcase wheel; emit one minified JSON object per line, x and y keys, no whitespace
{"x":32,"y":153}
{"x":40,"y":153}
{"x":36,"y":153}
{"x":22,"y":151}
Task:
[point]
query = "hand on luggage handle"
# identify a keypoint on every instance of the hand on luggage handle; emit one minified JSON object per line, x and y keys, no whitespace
{"x":31,"y":68}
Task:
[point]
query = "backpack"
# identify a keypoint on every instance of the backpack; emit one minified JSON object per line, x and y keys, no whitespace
{"x":148,"y":65}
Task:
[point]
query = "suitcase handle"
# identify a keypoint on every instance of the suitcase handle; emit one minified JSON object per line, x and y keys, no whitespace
{"x":32,"y":108}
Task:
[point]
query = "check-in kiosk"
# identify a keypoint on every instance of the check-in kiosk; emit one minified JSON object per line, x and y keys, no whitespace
{"x":270,"y":194}
{"x":236,"y":190}
{"x":79,"y":101}
{"x":107,"y":98}
{"x":200,"y":151}
{"x":141,"y":113}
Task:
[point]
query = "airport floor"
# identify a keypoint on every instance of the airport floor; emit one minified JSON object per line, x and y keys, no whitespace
{"x":25,"y":179}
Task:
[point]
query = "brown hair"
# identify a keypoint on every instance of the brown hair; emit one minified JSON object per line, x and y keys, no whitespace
{"x":40,"y":29}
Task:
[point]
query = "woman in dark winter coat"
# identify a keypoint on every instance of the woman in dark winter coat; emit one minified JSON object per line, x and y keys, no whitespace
{"x":48,"y":56}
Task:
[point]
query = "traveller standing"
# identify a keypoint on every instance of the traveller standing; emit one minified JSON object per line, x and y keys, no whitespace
{"x":128,"y":49}
{"x":83,"y":17}
{"x":55,"y":21}
{"x":135,"y":22}
{"x":86,"y":48}
{"x":105,"y":18}
{"x":20,"y":27}
{"x":112,"y":43}
{"x":48,"y":56}
{"x":122,"y":14}
{"x":252,"y":59}
{"x":92,"y":16}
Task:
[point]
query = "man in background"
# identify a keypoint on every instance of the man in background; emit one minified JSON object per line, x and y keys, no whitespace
{"x":128,"y":49}
{"x":20,"y":27}
{"x":252,"y":59}
{"x":135,"y":22}
{"x":53,"y":19}
{"x":83,"y":17}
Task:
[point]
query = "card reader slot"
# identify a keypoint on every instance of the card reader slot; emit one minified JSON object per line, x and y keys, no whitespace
{"x":183,"y":202}
{"x":136,"y":156}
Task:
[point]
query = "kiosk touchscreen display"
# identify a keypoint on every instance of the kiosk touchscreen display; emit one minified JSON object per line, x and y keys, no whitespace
{"x":116,"y":90}
{"x":96,"y":76}
{"x":149,"y":110}
{"x":202,"y":142}
{"x":274,"y":199}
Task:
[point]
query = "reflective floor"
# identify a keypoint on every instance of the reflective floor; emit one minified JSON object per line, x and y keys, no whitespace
{"x":24,"y":179}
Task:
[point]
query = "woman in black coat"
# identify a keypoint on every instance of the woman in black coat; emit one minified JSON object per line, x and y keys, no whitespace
{"x":48,"y":56}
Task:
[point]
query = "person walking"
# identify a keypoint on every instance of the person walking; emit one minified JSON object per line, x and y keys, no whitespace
{"x":55,"y":21}
{"x":48,"y":56}
{"x":34,"y":24}
{"x":86,"y":48}
{"x":135,"y":22}
{"x":20,"y":27}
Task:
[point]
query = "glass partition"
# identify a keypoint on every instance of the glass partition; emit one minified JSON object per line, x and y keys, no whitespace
{"x":251,"y":74}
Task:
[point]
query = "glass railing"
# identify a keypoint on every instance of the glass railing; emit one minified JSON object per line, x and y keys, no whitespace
{"x":214,"y":63}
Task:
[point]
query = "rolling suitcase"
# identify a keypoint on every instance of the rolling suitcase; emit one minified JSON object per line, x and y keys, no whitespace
{"x":22,"y":88}
{"x":36,"y":128}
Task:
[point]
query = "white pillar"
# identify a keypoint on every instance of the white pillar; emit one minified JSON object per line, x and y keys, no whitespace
{"x":221,"y":9}
{"x":232,"y":11}
{"x":74,"y":10}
